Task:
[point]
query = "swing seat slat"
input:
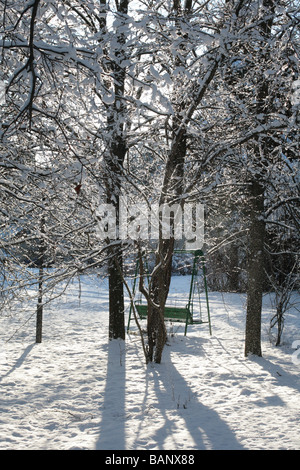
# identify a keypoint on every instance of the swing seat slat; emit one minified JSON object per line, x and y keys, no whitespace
{"x":182,"y":314}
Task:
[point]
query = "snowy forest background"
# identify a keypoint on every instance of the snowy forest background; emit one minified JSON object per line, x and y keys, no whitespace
{"x":169,"y":102}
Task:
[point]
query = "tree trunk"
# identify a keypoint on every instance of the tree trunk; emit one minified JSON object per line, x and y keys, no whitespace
{"x":256,"y":202}
{"x":160,"y":282}
{"x":233,"y":281}
{"x":114,"y":159}
{"x":41,"y":262}
{"x":173,"y":186}
{"x":115,"y":267}
{"x":39,"y":308}
{"x":255,"y":270}
{"x":116,"y":295}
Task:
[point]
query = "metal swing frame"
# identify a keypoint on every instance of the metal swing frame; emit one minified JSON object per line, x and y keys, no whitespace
{"x":179,"y":314}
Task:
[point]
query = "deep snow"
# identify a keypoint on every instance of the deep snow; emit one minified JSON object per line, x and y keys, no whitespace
{"x":76,"y":390}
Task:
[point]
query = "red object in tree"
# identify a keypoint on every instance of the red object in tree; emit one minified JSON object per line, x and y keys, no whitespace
{"x":77,"y":188}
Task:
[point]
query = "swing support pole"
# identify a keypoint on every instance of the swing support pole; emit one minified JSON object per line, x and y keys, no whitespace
{"x":133,"y":292}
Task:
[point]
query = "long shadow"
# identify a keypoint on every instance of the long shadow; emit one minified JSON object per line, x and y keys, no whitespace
{"x":19,"y":361}
{"x":112,"y":425}
{"x":205,"y":427}
{"x":283,"y":377}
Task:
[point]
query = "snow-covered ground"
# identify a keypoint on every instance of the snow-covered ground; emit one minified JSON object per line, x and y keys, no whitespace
{"x":78,"y":391}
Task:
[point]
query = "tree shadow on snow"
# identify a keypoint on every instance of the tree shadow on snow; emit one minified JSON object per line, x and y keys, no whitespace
{"x":19,"y":361}
{"x":173,"y":402}
{"x":112,"y":427}
{"x":278,"y":372}
{"x":205,"y":429}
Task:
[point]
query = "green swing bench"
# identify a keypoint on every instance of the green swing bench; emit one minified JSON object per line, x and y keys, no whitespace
{"x":175,"y":313}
